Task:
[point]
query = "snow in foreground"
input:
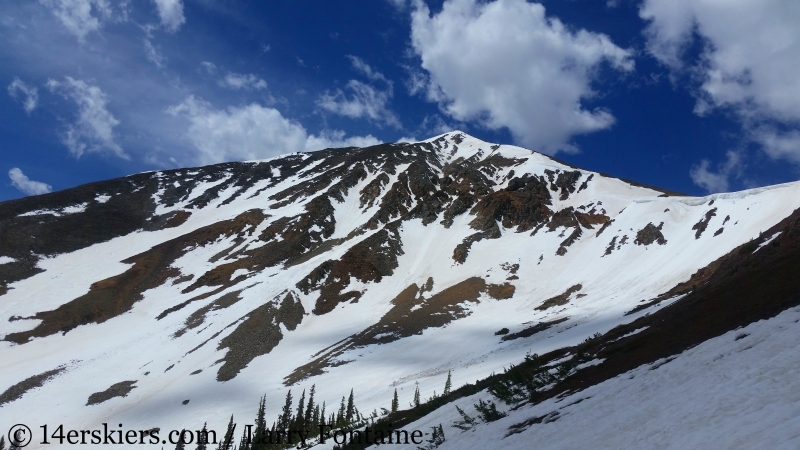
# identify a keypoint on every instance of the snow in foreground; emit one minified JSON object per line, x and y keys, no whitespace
{"x":737,"y":391}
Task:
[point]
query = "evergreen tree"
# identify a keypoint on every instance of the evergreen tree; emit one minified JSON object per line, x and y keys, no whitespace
{"x":322,"y":414}
{"x":447,"y":385}
{"x":202,"y":440}
{"x":350,"y":413}
{"x":300,"y":415}
{"x":227,"y":442}
{"x":466,"y":421}
{"x":285,"y":419}
{"x":395,"y":402}
{"x":243,"y":444}
{"x":340,"y":416}
{"x":308,"y":419}
{"x":181,"y":445}
{"x":2,"y":443}
{"x":416,"y":398}
{"x":260,"y":424}
{"x":315,"y":418}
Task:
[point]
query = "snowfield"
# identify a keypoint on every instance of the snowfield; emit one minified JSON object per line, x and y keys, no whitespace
{"x":738,"y":391}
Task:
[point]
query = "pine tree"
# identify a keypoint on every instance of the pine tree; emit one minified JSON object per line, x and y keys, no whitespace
{"x":340,"y":415}
{"x":285,"y":419}
{"x":260,"y":424}
{"x":308,"y":419}
{"x":447,"y":385}
{"x":227,"y":442}
{"x":243,"y":444}
{"x":2,"y":443}
{"x":416,"y":398}
{"x":350,"y":413}
{"x":181,"y":445}
{"x":322,"y":415}
{"x":202,"y":440}
{"x":395,"y":402}
{"x":300,"y":415}
{"x":316,"y":416}
{"x":466,"y":421}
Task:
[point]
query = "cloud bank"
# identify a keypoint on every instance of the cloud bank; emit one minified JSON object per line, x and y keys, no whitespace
{"x":504,"y":64}
{"x":251,"y":132}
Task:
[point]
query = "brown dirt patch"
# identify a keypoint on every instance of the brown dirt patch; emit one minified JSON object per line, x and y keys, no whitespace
{"x":560,"y":299}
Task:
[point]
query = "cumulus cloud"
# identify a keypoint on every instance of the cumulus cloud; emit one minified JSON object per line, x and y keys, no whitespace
{"x":93,"y":129}
{"x":80,"y":17}
{"x":251,"y":132}
{"x":716,"y":181}
{"x":171,"y":14}
{"x":749,"y":63}
{"x":504,"y":64}
{"x":29,"y":95}
{"x":239,"y":81}
{"x":27,"y":186}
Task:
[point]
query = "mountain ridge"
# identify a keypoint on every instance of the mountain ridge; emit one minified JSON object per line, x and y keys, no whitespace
{"x":312,"y":268}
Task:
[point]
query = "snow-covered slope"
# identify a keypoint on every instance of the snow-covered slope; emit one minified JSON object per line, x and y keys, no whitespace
{"x":375,"y":269}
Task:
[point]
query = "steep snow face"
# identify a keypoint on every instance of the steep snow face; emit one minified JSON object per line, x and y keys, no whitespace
{"x":736,"y":391}
{"x":373,"y":269}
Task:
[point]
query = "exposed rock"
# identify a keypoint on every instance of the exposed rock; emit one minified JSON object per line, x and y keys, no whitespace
{"x":18,"y":390}
{"x":411,"y":314}
{"x":649,"y":234}
{"x":530,"y":331}
{"x":258,"y":333}
{"x":121,"y":389}
{"x":370,"y":260}
{"x":703,"y":223}
{"x":560,"y":299}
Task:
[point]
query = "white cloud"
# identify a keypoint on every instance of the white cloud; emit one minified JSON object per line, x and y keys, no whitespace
{"x":336,"y":139}
{"x":171,"y":14}
{"x":407,"y":139}
{"x":251,"y":132}
{"x":80,"y":17}
{"x":209,"y":67}
{"x":27,"y":186}
{"x":153,"y":55}
{"x":399,"y":4}
{"x":239,"y":81}
{"x":716,"y":181}
{"x":749,"y":64}
{"x":779,"y":145}
{"x":30,"y":94}
{"x":504,"y":64}
{"x":364,"y":101}
{"x":367,"y":70}
{"x":93,"y":130}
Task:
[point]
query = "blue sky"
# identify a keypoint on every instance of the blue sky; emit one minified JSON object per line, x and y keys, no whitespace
{"x":695,"y":96}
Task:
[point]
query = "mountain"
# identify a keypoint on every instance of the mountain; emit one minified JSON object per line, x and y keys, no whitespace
{"x":173,"y":298}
